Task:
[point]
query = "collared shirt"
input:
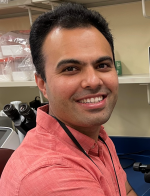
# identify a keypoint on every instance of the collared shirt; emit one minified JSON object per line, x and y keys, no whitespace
{"x":48,"y":163}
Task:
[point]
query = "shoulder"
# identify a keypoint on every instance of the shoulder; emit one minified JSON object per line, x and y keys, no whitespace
{"x":25,"y":170}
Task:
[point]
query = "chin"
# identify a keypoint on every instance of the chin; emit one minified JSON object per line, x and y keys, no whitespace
{"x":96,"y":121}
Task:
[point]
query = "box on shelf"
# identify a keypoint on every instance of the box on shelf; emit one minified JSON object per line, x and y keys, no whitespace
{"x":14,"y":50}
{"x":5,"y":70}
{"x":118,"y":67}
{"x":22,"y":75}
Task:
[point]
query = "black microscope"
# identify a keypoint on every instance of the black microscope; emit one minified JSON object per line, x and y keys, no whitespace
{"x":144,"y":169}
{"x":24,"y":119}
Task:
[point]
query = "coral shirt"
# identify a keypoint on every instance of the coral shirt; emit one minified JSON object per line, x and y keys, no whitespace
{"x":48,"y":163}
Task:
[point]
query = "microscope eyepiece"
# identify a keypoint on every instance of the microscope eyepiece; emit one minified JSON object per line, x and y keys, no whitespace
{"x":24,"y":118}
{"x":26,"y":111}
{"x":11,"y":111}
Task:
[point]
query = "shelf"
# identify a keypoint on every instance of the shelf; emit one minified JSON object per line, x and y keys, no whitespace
{"x":137,"y":79}
{"x":134,"y":79}
{"x":17,"y":8}
{"x":87,"y":3}
{"x":127,"y":79}
{"x":18,"y":84}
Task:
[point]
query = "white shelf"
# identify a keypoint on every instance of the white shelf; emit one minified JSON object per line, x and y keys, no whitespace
{"x":18,"y":84}
{"x":17,"y":8}
{"x":137,"y":79}
{"x":134,"y":79}
{"x":87,"y":3}
{"x":127,"y":79}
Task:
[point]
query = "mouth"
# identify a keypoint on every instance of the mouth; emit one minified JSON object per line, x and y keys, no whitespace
{"x":92,"y":100}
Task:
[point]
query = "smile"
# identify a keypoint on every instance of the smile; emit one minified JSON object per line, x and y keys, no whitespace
{"x":92,"y":100}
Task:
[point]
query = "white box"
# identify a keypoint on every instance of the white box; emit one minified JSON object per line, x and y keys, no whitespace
{"x":14,"y":50}
{"x":22,"y":75}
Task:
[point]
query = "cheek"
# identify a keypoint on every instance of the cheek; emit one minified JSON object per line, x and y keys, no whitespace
{"x":62,"y":88}
{"x":111,"y":81}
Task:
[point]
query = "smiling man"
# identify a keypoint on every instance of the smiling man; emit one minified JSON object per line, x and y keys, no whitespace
{"x":81,"y":83}
{"x":69,"y":153}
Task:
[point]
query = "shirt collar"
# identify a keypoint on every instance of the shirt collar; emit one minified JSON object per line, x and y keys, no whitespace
{"x":50,"y":124}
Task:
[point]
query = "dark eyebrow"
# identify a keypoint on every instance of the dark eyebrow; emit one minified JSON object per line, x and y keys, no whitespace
{"x":101,"y":59}
{"x":68,"y":61}
{"x":77,"y":62}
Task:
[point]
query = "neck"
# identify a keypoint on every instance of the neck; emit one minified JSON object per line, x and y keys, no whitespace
{"x":92,"y":132}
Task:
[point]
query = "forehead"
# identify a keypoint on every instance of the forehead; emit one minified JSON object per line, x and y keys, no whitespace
{"x":75,"y":43}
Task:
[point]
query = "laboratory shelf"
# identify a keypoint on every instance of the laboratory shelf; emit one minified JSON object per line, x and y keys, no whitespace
{"x":87,"y":3}
{"x":41,"y":3}
{"x":18,"y":84}
{"x":127,"y":79}
{"x":17,"y":8}
{"x":132,"y":79}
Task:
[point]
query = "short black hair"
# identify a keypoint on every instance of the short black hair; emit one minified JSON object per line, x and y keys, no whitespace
{"x":67,"y":16}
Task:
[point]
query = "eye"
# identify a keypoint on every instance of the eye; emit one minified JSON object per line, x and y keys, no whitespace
{"x":70,"y":69}
{"x":103,"y":66}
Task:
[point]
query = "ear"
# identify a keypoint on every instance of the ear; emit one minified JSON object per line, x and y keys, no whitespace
{"x":41,"y":85}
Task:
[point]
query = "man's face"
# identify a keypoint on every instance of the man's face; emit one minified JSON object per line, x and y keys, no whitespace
{"x":81,"y":80}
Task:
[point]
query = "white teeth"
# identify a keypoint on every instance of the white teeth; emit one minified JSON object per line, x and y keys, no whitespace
{"x":100,"y":98}
{"x":96,"y":99}
{"x":92,"y":100}
{"x":88,"y":101}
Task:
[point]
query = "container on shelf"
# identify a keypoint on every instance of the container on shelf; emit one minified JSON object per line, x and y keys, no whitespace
{"x":23,"y":69}
{"x":22,"y":75}
{"x":6,"y":65}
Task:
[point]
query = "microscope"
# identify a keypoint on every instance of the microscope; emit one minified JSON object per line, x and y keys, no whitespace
{"x":24,"y":119}
{"x":144,"y":169}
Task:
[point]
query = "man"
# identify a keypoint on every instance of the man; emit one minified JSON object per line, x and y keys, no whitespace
{"x":69,"y":153}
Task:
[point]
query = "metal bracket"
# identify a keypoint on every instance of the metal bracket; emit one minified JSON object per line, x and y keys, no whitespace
{"x":144,"y":10}
{"x":32,"y":7}
{"x":148,"y":92}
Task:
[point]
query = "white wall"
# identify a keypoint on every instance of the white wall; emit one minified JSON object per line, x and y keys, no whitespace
{"x":131,"y":31}
{"x":131,"y":116}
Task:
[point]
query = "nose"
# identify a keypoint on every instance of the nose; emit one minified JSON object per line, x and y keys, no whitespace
{"x":91,"y":78}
